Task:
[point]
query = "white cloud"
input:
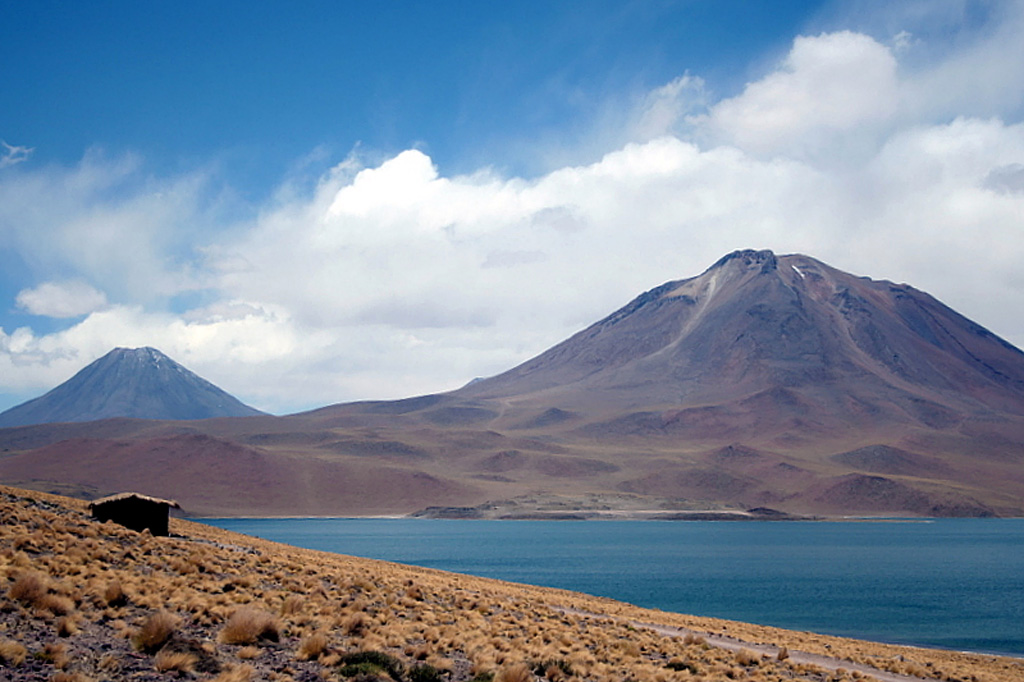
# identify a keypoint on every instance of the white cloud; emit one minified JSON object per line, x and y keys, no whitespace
{"x":393,"y":279}
{"x":109,"y":223}
{"x":12,"y":154}
{"x":663,"y":109}
{"x":61,"y":299}
{"x":829,"y":85}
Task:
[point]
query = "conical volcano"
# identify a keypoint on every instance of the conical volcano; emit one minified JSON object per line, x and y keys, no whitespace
{"x":141,"y":383}
{"x":778,"y":329}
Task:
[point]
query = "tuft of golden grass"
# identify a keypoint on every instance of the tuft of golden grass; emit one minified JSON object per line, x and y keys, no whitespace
{"x":241,"y":673}
{"x":67,"y":626}
{"x":114,"y":594}
{"x":155,"y":631}
{"x":354,"y":624}
{"x":248,"y":625}
{"x":12,"y":653}
{"x":747,"y":657}
{"x":517,"y":672}
{"x":109,"y":664}
{"x":247,"y":653}
{"x":57,"y":604}
{"x":292,"y":605}
{"x":55,"y":653}
{"x":312,"y":646}
{"x":174,"y":661}
{"x":29,"y":588}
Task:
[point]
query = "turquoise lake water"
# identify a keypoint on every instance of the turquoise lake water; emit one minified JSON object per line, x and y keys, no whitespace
{"x":950,"y":583}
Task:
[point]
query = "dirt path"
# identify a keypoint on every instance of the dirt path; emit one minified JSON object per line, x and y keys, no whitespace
{"x":734,"y":644}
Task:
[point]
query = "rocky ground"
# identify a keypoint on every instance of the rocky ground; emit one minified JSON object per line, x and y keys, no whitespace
{"x":82,"y":601}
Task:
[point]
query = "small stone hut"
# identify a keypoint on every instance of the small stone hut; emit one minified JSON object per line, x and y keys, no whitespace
{"x":134,"y":510}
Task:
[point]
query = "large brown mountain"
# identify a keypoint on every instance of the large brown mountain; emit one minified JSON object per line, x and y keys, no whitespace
{"x":765,"y":382}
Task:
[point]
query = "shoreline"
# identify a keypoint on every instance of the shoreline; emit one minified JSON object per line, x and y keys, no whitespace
{"x":453,"y":622}
{"x":460,"y":567}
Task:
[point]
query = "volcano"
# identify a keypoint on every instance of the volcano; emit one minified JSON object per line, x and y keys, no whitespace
{"x":784,"y":335}
{"x":770,"y":383}
{"x":140,"y":383}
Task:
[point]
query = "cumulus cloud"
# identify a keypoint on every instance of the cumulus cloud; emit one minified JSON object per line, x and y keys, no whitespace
{"x":392,"y":278}
{"x":61,"y":299}
{"x":829,"y":85}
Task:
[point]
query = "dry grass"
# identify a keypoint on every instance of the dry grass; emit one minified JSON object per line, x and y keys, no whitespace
{"x":12,"y":653}
{"x":155,"y":631}
{"x":114,"y":595}
{"x":241,"y":673}
{"x":518,"y":672}
{"x":204,"y":604}
{"x":29,"y":588}
{"x":249,"y":625}
{"x":174,"y":661}
{"x":312,"y":647}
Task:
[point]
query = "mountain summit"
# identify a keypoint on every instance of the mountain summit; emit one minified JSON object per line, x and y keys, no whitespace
{"x":141,"y":383}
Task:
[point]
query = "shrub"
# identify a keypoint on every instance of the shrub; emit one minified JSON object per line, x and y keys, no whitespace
{"x":783,"y":654}
{"x":155,"y":631}
{"x":249,"y":625}
{"x":425,"y":673}
{"x":747,"y":657}
{"x":370,"y":663}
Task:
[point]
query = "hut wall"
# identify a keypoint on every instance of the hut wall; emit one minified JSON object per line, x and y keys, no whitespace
{"x":136,"y":514}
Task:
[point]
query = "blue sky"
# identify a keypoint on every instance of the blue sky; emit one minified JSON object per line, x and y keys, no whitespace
{"x":310,"y":203}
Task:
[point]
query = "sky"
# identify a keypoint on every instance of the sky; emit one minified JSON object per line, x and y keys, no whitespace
{"x":311,"y":202}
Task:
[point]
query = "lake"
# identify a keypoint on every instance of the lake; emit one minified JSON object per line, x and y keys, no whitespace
{"x":950,"y":583}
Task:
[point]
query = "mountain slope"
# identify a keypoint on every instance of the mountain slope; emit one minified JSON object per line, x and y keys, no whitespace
{"x":767,"y":381}
{"x":756,"y":322}
{"x":141,"y":383}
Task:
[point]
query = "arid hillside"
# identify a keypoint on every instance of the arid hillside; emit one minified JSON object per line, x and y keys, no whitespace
{"x":767,"y":382}
{"x":82,"y":601}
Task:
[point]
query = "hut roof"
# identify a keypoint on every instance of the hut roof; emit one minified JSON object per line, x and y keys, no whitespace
{"x":138,"y":496}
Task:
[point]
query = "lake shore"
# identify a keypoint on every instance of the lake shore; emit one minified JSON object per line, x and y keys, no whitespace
{"x":322,"y":607}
